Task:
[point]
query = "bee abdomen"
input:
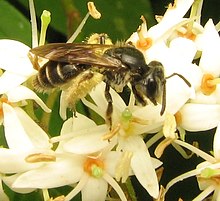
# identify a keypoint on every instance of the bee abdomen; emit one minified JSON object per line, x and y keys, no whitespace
{"x":54,"y":74}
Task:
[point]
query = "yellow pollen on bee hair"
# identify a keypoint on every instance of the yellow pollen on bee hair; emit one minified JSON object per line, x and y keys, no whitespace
{"x":94,"y":167}
{"x":208,"y":84}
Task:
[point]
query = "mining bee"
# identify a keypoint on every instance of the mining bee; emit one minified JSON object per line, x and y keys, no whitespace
{"x":72,"y":64}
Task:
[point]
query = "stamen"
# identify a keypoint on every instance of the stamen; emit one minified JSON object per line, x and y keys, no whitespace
{"x":162,"y":146}
{"x":178,"y":118}
{"x":33,"y":24}
{"x":169,"y":127}
{"x":40,"y":157}
{"x":123,"y":167}
{"x":59,"y":198}
{"x":187,"y":34}
{"x":45,"y":21}
{"x":143,"y":43}
{"x":194,"y":15}
{"x":94,"y":167}
{"x":112,"y":132}
{"x":93,"y":11}
{"x":140,"y":121}
{"x":208,"y":84}
{"x":79,"y":29}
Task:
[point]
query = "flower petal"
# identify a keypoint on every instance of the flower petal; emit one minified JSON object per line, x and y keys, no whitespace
{"x":36,"y":134}
{"x":210,"y":59}
{"x":172,"y":16}
{"x":22,"y":93}
{"x":193,"y":114}
{"x":15,"y":134}
{"x":9,"y":81}
{"x":14,"y":58}
{"x":95,"y":189}
{"x":177,"y":94}
{"x":141,"y":164}
{"x":60,"y":173}
{"x":14,"y":161}
{"x":183,"y":46}
{"x":143,"y":169}
{"x":90,"y":142}
{"x":9,"y":180}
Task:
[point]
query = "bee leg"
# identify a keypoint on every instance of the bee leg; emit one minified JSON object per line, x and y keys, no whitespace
{"x":137,"y":96}
{"x":109,"y":110}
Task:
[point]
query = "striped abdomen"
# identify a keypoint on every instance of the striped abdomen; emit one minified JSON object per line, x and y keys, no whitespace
{"x":54,"y":74}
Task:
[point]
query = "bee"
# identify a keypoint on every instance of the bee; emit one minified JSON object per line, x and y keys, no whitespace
{"x":73,"y":64}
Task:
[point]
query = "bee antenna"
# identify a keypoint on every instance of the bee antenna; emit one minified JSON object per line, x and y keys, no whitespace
{"x":181,"y":76}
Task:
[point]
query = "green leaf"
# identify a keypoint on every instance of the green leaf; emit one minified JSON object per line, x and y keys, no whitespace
{"x":119,"y":19}
{"x":14,"y":25}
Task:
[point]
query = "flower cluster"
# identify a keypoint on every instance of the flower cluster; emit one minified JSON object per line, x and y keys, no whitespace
{"x":95,"y":158}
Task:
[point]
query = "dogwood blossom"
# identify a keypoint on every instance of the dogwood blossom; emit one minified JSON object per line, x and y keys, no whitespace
{"x":207,"y":172}
{"x":206,"y":100}
{"x":91,"y":171}
{"x":15,"y":62}
{"x":128,"y":123}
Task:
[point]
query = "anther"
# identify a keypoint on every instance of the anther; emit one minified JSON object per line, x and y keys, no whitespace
{"x":39,"y":157}
{"x":93,"y":11}
{"x":208,"y":84}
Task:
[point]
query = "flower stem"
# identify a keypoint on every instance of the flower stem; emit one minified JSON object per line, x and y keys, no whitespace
{"x":130,"y":190}
{"x":45,"y":120}
{"x":33,"y":24}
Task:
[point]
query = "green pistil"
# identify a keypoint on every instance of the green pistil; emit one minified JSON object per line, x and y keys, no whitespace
{"x":96,"y":171}
{"x":126,"y":115}
{"x":45,"y":21}
{"x":208,"y":173}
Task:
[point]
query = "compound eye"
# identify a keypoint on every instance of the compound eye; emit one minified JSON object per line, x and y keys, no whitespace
{"x":151,"y":88}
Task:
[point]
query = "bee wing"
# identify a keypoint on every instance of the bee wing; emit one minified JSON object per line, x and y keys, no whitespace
{"x":91,"y":54}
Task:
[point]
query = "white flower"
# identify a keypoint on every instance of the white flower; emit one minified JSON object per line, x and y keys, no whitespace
{"x":92,"y":172}
{"x":207,"y":172}
{"x":14,"y":60}
{"x":154,"y":40}
{"x":17,"y":97}
{"x":25,"y":139}
{"x":129,"y":122}
{"x":206,"y":83}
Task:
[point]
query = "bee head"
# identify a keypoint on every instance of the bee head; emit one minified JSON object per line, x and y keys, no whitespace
{"x":152,"y":82}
